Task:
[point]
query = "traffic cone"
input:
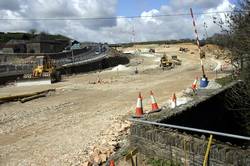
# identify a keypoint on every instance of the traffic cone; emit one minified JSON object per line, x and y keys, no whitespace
{"x":112,"y":163}
{"x":154,"y":103}
{"x":139,"y":109}
{"x":174,"y":100}
{"x":194,"y":85}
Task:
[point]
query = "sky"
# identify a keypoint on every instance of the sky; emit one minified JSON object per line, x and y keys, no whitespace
{"x":136,"y":7}
{"x":113,"y":30}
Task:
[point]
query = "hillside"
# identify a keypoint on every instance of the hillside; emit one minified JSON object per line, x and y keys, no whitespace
{"x":5,"y":37}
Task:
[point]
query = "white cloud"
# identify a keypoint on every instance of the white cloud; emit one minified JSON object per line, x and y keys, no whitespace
{"x":195,"y":4}
{"x":110,"y":30}
{"x":147,"y":17}
{"x":9,"y":5}
{"x":211,"y":27}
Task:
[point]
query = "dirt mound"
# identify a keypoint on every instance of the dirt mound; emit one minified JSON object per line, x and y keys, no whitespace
{"x":120,"y":68}
{"x":113,"y":52}
{"x":217,"y":51}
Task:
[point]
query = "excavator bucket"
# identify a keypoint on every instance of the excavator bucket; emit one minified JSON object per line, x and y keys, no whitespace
{"x":33,"y":81}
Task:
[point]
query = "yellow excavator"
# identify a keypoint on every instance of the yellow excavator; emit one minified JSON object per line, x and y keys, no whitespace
{"x":166,"y":63}
{"x":44,"y":72}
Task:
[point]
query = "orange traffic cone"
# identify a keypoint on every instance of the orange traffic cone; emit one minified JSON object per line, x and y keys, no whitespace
{"x":139,"y":109}
{"x":154,"y":103}
{"x":112,"y":163}
{"x":174,"y":100}
{"x":194,"y":85}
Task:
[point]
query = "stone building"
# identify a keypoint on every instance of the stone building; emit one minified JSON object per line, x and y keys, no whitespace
{"x":43,"y":44}
{"x":15,"y":46}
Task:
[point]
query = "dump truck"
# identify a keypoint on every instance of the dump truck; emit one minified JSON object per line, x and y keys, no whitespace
{"x":44,"y":72}
{"x":166,"y":63}
{"x":182,"y":49}
{"x":175,"y":60}
{"x":151,"y":50}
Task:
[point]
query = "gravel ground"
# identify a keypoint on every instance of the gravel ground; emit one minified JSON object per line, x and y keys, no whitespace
{"x":62,"y":129}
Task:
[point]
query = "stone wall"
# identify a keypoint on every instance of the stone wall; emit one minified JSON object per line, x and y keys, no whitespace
{"x":167,"y":144}
{"x":92,"y":66}
{"x":16,"y":57}
{"x":97,"y":65}
{"x":207,"y":111}
{"x":33,"y":48}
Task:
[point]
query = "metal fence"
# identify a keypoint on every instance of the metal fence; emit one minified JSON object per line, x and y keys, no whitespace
{"x":77,"y":57}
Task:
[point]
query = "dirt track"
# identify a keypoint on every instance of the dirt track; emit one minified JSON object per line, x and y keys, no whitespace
{"x":59,"y":129}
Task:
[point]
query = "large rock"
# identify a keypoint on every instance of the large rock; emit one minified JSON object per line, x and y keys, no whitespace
{"x":97,"y":160}
{"x":103,"y":157}
{"x":87,"y":163}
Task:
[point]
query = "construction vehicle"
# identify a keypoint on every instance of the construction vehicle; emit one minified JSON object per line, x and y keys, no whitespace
{"x":44,"y":72}
{"x":151,"y":50}
{"x":182,"y":49}
{"x":175,"y":60}
{"x":166,"y":63}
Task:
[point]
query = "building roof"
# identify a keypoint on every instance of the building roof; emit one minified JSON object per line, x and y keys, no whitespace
{"x":16,"y":42}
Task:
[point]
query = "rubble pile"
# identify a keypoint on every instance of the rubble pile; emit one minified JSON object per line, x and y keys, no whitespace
{"x":109,"y":142}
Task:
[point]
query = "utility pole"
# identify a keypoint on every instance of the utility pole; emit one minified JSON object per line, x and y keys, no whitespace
{"x":205,"y":28}
{"x":197,"y":42}
{"x":133,"y":34}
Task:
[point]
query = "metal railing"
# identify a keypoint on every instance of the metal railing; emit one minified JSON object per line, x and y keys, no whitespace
{"x":80,"y":57}
{"x":191,"y":129}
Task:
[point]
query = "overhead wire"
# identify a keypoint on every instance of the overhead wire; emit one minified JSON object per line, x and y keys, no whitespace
{"x":121,"y":17}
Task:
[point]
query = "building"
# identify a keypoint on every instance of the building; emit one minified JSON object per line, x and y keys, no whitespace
{"x":15,"y":46}
{"x":1,"y":47}
{"x":43,"y":44}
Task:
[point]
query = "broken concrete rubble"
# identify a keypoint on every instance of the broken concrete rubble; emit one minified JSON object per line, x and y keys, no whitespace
{"x":109,"y":144}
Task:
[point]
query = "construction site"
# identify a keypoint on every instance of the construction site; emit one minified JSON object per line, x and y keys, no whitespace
{"x":85,"y":117}
{"x":137,"y":103}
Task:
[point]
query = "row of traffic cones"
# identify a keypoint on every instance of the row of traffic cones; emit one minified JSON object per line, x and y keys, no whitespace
{"x":139,"y":107}
{"x":154,"y":105}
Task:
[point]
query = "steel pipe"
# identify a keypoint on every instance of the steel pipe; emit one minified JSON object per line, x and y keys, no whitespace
{"x":191,"y":129}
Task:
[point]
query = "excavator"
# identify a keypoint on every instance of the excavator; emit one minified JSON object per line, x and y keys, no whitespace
{"x":166,"y":63}
{"x":44,"y":72}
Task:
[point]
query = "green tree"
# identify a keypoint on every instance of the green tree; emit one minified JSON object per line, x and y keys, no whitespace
{"x":236,"y":37}
{"x":33,"y":32}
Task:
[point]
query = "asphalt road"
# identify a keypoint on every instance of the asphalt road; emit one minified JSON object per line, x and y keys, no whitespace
{"x":12,"y":70}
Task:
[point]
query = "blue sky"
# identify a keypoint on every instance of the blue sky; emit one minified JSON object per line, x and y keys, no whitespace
{"x":145,"y":28}
{"x":136,"y":7}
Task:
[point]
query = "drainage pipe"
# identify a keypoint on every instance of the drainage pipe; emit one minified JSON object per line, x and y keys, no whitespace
{"x":191,"y":129}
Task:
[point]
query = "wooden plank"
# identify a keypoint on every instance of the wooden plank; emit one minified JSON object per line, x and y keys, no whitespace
{"x":23,"y":100}
{"x":19,"y":97}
